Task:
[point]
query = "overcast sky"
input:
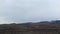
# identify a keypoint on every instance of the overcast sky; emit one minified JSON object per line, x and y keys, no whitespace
{"x":29,"y":10}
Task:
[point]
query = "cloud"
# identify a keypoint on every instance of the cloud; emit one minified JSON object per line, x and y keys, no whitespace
{"x":29,"y":10}
{"x":3,"y":20}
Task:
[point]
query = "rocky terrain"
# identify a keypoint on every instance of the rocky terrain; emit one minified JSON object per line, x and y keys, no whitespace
{"x":44,"y":27}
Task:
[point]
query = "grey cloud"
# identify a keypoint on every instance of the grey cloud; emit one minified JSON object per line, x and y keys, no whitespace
{"x":29,"y":10}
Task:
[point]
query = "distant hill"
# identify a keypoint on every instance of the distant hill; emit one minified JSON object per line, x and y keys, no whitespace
{"x":42,"y":24}
{"x":56,"y":22}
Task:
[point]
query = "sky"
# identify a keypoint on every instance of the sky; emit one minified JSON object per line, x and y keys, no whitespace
{"x":20,"y":11}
